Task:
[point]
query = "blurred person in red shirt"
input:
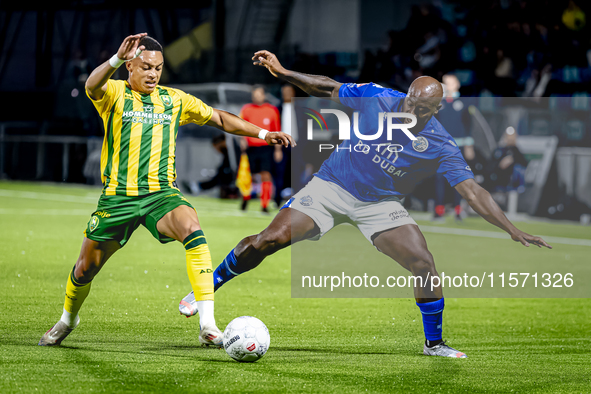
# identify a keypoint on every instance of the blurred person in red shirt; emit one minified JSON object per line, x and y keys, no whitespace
{"x":260,"y":155}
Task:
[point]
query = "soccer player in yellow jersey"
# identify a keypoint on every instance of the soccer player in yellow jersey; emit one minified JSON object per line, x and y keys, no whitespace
{"x":141,"y":122}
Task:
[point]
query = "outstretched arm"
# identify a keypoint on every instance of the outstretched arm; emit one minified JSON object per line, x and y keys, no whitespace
{"x":96,"y":84}
{"x":232,"y":124}
{"x":314,"y":85}
{"x":482,"y":202}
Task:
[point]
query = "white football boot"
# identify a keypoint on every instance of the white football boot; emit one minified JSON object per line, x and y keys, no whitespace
{"x":188,"y":305}
{"x":56,"y":334}
{"x":211,"y":336}
{"x":442,"y":350}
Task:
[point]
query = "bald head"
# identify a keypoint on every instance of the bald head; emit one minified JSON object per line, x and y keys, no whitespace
{"x":423,"y":100}
{"x":425,"y":87}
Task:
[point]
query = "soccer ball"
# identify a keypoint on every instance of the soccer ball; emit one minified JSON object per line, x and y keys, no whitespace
{"x":246,"y":339}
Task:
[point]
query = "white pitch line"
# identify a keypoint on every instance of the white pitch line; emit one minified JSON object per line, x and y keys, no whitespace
{"x":48,"y":196}
{"x":18,"y":194}
{"x":46,"y":212}
{"x":88,"y":212}
{"x":493,"y":234}
{"x":235,"y":213}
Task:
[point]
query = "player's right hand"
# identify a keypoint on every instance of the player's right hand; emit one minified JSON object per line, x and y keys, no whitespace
{"x":279,"y":138}
{"x":527,"y":239}
{"x":268,"y":60}
{"x":129,"y":47}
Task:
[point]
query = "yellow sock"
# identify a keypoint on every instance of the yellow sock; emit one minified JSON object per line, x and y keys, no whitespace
{"x":76,"y":293}
{"x":199,"y":266}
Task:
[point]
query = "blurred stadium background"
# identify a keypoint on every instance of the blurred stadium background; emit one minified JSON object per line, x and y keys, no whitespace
{"x":537,"y":50}
{"x":524,"y":69}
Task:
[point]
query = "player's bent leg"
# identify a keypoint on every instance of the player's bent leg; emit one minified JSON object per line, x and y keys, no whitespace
{"x":93,"y":255}
{"x":407,"y":245}
{"x":183,"y":225}
{"x":289,"y":226}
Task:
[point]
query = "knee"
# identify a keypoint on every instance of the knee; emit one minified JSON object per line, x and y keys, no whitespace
{"x":86,"y":268}
{"x":423,"y":265}
{"x":190,"y":229}
{"x":269,"y":242}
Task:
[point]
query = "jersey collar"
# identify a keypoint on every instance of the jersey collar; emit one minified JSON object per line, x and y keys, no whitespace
{"x":140,"y":93}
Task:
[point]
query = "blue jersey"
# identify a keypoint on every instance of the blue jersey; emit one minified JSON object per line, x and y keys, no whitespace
{"x":375,"y":170}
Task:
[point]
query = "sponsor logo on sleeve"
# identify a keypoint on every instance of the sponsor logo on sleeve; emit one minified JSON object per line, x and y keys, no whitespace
{"x":420,"y":144}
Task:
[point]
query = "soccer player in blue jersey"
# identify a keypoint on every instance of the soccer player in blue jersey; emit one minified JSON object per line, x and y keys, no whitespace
{"x":366,"y":187}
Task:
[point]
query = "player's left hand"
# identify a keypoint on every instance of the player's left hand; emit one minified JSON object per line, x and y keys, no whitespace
{"x":279,"y":138}
{"x":269,"y":60}
{"x":130,"y":47}
{"x":526,"y":239}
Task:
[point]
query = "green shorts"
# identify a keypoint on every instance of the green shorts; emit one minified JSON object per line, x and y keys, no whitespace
{"x":117,"y":217}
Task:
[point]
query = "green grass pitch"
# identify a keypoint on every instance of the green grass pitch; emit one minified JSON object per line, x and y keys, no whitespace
{"x":132,"y":338}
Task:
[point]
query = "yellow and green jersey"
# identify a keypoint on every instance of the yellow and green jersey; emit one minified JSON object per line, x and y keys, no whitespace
{"x":138,"y":151}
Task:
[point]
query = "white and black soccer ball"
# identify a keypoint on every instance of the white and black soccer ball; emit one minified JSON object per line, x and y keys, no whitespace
{"x":246,"y":339}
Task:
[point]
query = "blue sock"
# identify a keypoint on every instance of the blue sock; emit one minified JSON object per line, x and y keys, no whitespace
{"x":432,"y":319}
{"x":226,"y":271}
